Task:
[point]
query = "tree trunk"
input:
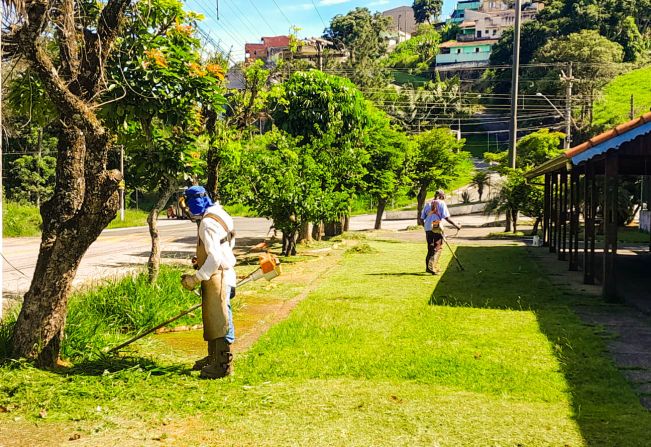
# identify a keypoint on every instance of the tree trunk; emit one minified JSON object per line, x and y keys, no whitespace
{"x":421,"y":197}
{"x":381,"y":205}
{"x":153,"y":264}
{"x":536,"y":224}
{"x":84,"y":202}
{"x":345,"y":224}
{"x":212,"y":168}
{"x":333,"y":229}
{"x":515,"y":221}
{"x":507,"y":228}
{"x":480,"y":191}
{"x":289,"y":243}
{"x":305,"y":234}
{"x":317,"y":231}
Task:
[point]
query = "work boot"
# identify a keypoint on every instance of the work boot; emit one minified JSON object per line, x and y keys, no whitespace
{"x":221,"y":363}
{"x":202,"y":363}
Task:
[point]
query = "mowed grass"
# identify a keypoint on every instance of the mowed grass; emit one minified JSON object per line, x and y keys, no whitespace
{"x":378,"y":354}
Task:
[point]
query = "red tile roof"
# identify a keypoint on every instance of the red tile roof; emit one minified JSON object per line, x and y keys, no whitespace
{"x":607,"y":135}
{"x":276,"y":41}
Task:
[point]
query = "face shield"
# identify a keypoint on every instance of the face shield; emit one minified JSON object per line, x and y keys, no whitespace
{"x":197,"y":201}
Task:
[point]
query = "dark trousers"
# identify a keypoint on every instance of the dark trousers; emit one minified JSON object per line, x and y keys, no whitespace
{"x":434,"y":244}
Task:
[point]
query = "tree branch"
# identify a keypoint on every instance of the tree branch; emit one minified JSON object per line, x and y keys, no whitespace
{"x":99,"y":46}
{"x":68,"y":45}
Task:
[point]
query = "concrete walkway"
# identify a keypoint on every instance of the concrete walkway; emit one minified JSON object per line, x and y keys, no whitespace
{"x":626,"y":329}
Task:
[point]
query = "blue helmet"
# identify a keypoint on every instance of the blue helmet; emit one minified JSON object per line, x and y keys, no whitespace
{"x":197,"y":200}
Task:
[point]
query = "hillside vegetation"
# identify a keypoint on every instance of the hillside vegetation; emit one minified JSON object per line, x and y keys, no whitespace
{"x":615,"y":104}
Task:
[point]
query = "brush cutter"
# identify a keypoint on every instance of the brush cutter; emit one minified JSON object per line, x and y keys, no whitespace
{"x":454,"y":255}
{"x":269,"y":269}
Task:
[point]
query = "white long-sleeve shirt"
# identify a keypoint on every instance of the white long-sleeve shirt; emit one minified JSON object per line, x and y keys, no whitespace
{"x":211,"y":233}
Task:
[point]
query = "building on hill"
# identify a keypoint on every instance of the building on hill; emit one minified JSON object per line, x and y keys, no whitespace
{"x":459,"y":13}
{"x":491,"y":23}
{"x":402,"y":20}
{"x":268,"y":50}
{"x":473,"y":53}
{"x":481,"y":25}
{"x":315,"y":49}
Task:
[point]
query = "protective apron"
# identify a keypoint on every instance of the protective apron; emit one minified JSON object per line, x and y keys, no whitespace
{"x":214,"y":302}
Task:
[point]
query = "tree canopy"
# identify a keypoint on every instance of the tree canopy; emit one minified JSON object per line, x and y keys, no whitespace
{"x":426,"y":10}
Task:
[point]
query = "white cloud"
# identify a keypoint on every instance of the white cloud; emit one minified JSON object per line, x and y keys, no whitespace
{"x":300,"y":7}
{"x":379,"y":3}
{"x":332,"y":2}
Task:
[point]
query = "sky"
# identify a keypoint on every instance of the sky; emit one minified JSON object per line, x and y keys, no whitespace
{"x":243,"y":21}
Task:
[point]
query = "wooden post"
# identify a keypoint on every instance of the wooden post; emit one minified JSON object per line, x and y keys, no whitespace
{"x":574,"y":221}
{"x":562,"y":217}
{"x":610,"y":229}
{"x":553,"y":246}
{"x":547,"y":209}
{"x":588,"y":275}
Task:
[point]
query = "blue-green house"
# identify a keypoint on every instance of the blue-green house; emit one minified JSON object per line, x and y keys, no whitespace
{"x":459,"y":13}
{"x":453,"y":52}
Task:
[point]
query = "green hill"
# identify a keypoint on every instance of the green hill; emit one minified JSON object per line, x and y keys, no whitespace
{"x":614,"y":106}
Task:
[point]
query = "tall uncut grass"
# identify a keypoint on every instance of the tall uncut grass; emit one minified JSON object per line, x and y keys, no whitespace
{"x":109,"y":314}
{"x":106,"y":315}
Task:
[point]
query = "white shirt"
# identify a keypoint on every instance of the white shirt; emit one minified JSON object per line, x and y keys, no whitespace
{"x":219,"y":255}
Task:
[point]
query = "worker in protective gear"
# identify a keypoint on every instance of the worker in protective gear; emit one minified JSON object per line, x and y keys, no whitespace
{"x":434,"y":214}
{"x":215,"y":264}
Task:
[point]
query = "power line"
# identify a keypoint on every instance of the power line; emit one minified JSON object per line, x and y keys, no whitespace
{"x":243,"y":20}
{"x":319,"y":14}
{"x":282,"y":13}
{"x":261,"y":16}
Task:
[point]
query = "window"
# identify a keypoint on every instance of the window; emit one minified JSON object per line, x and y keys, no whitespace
{"x":458,"y":50}
{"x":476,"y":50}
{"x":478,"y":33}
{"x":494,"y":32}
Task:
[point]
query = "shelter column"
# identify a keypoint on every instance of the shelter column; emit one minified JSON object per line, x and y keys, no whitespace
{"x":547,"y":210}
{"x":610,"y":228}
{"x":574,"y":220}
{"x":562,"y":216}
{"x":589,"y":195}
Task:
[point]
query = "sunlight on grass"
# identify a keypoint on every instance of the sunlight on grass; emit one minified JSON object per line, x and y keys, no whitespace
{"x":380,"y":353}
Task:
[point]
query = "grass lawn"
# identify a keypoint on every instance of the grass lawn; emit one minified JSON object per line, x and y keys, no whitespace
{"x":614,"y":106}
{"x":25,"y":220}
{"x":377,"y":354}
{"x":20,"y":220}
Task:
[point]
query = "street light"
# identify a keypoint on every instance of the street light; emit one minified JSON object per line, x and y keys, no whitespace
{"x":560,"y":115}
{"x":568,"y":118}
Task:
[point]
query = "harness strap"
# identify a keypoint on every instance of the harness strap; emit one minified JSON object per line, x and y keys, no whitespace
{"x":229,"y":234}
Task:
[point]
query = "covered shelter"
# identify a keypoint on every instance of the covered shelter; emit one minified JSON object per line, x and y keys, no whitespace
{"x":582,"y":186}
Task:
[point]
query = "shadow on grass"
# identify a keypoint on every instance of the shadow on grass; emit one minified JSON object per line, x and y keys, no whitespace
{"x":606,"y":409}
{"x":112,"y":364}
{"x":400,"y":274}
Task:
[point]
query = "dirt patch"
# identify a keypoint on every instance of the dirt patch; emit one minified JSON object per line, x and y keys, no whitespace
{"x":259,"y":312}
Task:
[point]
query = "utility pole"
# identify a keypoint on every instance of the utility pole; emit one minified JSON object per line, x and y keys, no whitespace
{"x":515,"y":80}
{"x":122,"y":183}
{"x":568,"y":106}
{"x":632,"y":113}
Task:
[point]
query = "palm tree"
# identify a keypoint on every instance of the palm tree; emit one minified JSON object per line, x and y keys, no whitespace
{"x":480,"y":180}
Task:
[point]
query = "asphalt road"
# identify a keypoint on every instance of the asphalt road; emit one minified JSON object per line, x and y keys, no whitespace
{"x":119,"y":251}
